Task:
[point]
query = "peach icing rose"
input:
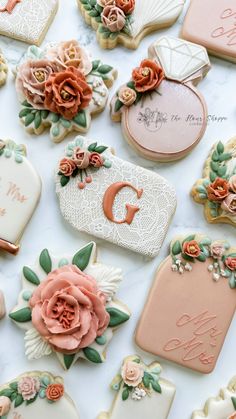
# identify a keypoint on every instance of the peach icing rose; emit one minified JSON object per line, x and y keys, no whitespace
{"x":229,"y":204}
{"x":191,"y":248}
{"x":230,"y":262}
{"x":127,"y":95}
{"x":104,"y":3}
{"x":81,"y":158}
{"x":67,"y":92}
{"x":68,"y":310}
{"x":96,"y":160}
{"x":67,"y":166}
{"x":31,"y":79}
{"x":54,"y":392}
{"x":113,"y":18}
{"x":28,"y":387}
{"x":217,"y":250}
{"x":218,"y":190}
{"x":126,"y":5}
{"x":5,"y":405}
{"x":132,"y":373}
{"x":148,"y":76}
{"x":232,"y":183}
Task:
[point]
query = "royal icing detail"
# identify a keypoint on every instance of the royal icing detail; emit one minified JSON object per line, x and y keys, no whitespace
{"x":217,"y":189}
{"x":140,"y":391}
{"x":123,"y":203}
{"x":161,"y":100}
{"x":16,"y":194}
{"x":67,"y":306}
{"x":3,"y":69}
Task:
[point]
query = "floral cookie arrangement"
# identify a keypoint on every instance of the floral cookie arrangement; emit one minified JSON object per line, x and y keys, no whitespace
{"x":141,"y":391}
{"x":127,"y":22}
{"x":163,"y":85}
{"x":217,"y":189}
{"x":3,"y":69}
{"x":60,"y":88}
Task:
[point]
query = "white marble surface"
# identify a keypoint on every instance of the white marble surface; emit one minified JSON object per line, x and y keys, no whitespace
{"x":88,"y":384}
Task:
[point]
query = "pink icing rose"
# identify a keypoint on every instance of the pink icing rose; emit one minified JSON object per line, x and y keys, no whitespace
{"x":67,"y":166}
{"x":81,"y":158}
{"x":96,"y":160}
{"x":5,"y":405}
{"x":217,"y":250}
{"x":104,"y":3}
{"x":68,"y":310}
{"x":132,"y":373}
{"x":229,"y":204}
{"x":28,"y":387}
{"x":113,"y":18}
{"x":127,"y":95}
{"x":232,"y":183}
{"x":233,"y":416}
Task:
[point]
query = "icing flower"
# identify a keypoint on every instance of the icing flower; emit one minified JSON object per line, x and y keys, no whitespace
{"x":104,"y":3}
{"x":229,"y":204}
{"x":132,"y":373}
{"x":217,"y":250}
{"x":233,"y":416}
{"x":31,"y":80}
{"x":232,"y":183}
{"x":28,"y":387}
{"x":54,"y":392}
{"x":96,"y":160}
{"x":67,"y":166}
{"x":148,"y":76}
{"x":218,"y":190}
{"x":5,"y":405}
{"x":191,"y":248}
{"x":230,"y":262}
{"x":67,"y":92}
{"x":68,"y":310}
{"x":113,"y":18}
{"x":126,"y":5}
{"x":127,"y":96}
{"x":81,"y":158}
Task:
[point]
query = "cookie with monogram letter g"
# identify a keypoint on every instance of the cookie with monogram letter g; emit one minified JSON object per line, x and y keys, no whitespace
{"x":212,"y":23}
{"x":163,"y":115}
{"x":36,"y":395}
{"x":187,"y":325}
{"x":20,"y":189}
{"x":140,"y":391}
{"x":112,"y":199}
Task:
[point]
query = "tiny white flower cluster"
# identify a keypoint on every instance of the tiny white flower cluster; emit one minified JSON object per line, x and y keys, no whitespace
{"x":138,"y":393}
{"x":180,"y":267}
{"x":217,"y":271}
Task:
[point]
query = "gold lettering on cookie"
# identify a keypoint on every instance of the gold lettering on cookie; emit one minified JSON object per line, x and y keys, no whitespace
{"x":228,"y":28}
{"x":15,"y":194}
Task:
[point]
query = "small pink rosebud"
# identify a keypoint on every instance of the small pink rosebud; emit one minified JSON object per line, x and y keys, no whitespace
{"x":81,"y":185}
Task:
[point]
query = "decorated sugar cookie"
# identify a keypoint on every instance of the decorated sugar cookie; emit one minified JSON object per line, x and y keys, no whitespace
{"x":2,"y":305}
{"x":140,"y":391}
{"x":3,"y":69}
{"x":127,"y":22}
{"x":36,"y":395}
{"x":211,"y":23}
{"x":113,"y":199}
{"x":188,"y":325}
{"x":217,"y":188}
{"x":163,"y":116}
{"x":60,"y":88}
{"x":67,"y":306}
{"x":221,"y":407}
{"x":20,"y":189}
{"x":27,"y":20}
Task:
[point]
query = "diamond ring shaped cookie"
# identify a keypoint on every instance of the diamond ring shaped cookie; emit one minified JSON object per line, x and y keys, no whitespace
{"x":35,"y":395}
{"x":60,"y":88}
{"x":127,"y":22}
{"x":183,"y":319}
{"x":112,"y":199}
{"x":163,"y":115}
{"x":20,"y":189}
{"x":221,"y":407}
{"x":67,"y":306}
{"x":217,"y":188}
{"x":3,"y":69}
{"x":212,"y":23}
{"x":140,"y":391}
{"x":27,"y":20}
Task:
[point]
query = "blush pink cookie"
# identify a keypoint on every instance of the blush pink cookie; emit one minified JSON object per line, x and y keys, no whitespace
{"x":188,"y":325}
{"x":212,"y":23}
{"x":163,"y":116}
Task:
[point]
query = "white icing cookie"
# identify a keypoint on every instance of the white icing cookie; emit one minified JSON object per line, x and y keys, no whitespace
{"x":141,"y":392}
{"x":3,"y":69}
{"x":113,"y":199}
{"x":60,"y":88}
{"x":128,"y":22}
{"x":221,"y":407}
{"x":2,"y":305}
{"x":36,"y":395}
{"x":20,"y":189}
{"x":27,"y":20}
{"x":67,"y":306}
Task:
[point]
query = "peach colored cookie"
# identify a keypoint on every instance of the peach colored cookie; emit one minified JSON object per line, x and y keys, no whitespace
{"x":140,"y":391}
{"x":183,"y":320}
{"x":217,"y":188}
{"x":162,"y":114}
{"x":127,"y":22}
{"x":211,"y":23}
{"x":3,"y":69}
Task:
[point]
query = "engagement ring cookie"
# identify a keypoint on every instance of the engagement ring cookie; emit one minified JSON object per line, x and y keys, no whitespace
{"x":36,"y":395}
{"x":159,"y":106}
{"x":127,"y":22}
{"x":140,"y":392}
{"x":3,"y":69}
{"x":67,"y":306}
{"x":60,"y":88}
{"x":27,"y":20}
{"x":183,"y":320}
{"x":211,"y":23}
{"x":221,"y":407}
{"x":217,"y":188}
{"x":113,"y":199}
{"x":20,"y":189}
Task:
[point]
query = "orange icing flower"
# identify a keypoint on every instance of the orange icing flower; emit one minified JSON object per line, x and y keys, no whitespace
{"x":54,"y":392}
{"x":148,"y":76}
{"x":67,"y":166}
{"x":191,"y":248}
{"x":218,"y":190}
{"x":126,"y":5}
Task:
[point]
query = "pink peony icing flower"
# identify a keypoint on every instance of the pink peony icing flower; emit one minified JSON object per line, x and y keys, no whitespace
{"x":132,"y":373}
{"x":229,"y":204}
{"x":28,"y":387}
{"x":70,"y":54}
{"x":113,"y":18}
{"x":217,"y":250}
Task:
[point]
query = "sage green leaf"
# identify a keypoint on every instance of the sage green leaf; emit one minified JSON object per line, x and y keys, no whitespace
{"x":201,"y":189}
{"x":7,"y":392}
{"x":37,"y":120}
{"x":131,"y":85}
{"x":87,"y":7}
{"x":82,"y":257}
{"x":215,"y":156}
{"x":106,"y":35}
{"x":102,"y":29}
{"x":113,"y":35}
{"x":68,"y":360}
{"x":232,"y":255}
{"x":156,"y":386}
{"x":45,"y":261}
{"x":64,"y":180}
{"x":202,"y":195}
{"x":95,"y":64}
{"x":55,"y":117}
{"x":93,"y":3}
{"x":222,"y":171}
{"x":100,"y":149}
{"x":220,"y":148}
{"x":117,"y":317}
{"x":21,"y":316}
{"x":92,"y":355}
{"x":19,"y":400}
{"x":31,"y":276}
{"x":188,"y":258}
{"x":24,"y":112}
{"x":125,"y":394}
{"x":146,"y":380}
{"x":55,"y":131}
{"x":214,"y":213}
{"x":104,"y":68}
{"x":214,"y":166}
{"x":44,"y":113}
{"x":225,"y":156}
{"x":29,"y":119}
{"x":14,"y":385}
{"x":213,"y":176}
{"x":92,"y":147}
{"x":27,"y":104}
{"x":99,"y":8}
{"x":65,"y":123}
{"x":101,"y":340}
{"x":189,"y":238}
{"x":234,"y":402}
{"x":176,"y":248}
{"x":201,"y":258}
{"x":206,"y":241}
{"x":13,"y":396}
{"x":93,"y":13}
{"x":80,"y":119}
{"x":118,"y":105}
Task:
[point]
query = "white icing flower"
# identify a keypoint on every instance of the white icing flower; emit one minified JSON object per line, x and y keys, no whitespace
{"x":216,"y":265}
{"x":181,"y":271}
{"x":188,"y":267}
{"x":174,"y":268}
{"x":216,"y":277}
{"x":210,"y":268}
{"x":138,"y":393}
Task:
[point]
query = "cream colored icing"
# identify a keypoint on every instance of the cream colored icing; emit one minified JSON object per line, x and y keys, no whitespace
{"x":2,"y":305}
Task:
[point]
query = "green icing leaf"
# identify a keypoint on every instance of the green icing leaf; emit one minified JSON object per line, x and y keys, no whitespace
{"x":29,"y":119}
{"x":30,"y":276}
{"x":104,"y":68}
{"x":82,"y":257}
{"x":100,"y":149}
{"x":176,"y":248}
{"x":222,"y":171}
{"x":156,"y":386}
{"x":117,"y":317}
{"x":125,"y":394}
{"x":64,"y":180}
{"x":215,"y":156}
{"x":45,"y":261}
{"x":213,"y":176}
{"x":95,"y":64}
{"x":24,"y":112}
{"x":7,"y":392}
{"x":234,"y":402}
{"x":68,"y":360}
{"x":92,"y":147}
{"x":131,"y":85}
{"x":220,"y":148}
{"x":147,"y":380}
{"x":201,"y":258}
{"x":14,"y":385}
{"x":19,"y":400}
{"x":214,"y":166}
{"x":80,"y":119}
{"x":92,"y":355}
{"x":37,"y":120}
{"x":21,"y":316}
{"x":187,"y":257}
{"x":25,"y":103}
{"x":225,"y":157}
{"x":189,"y":238}
{"x":118,"y":105}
